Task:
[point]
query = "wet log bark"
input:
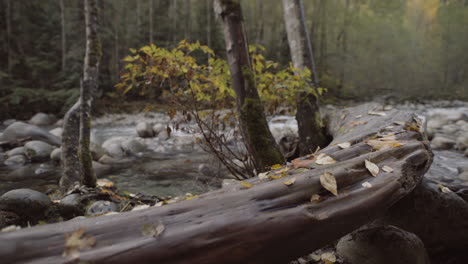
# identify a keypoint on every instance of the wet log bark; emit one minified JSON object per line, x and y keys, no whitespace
{"x":270,"y":222}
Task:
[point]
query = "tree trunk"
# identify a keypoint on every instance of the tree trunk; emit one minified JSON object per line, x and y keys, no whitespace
{"x":64,"y":40}
{"x":88,"y":90}
{"x":188,"y":20}
{"x":254,"y":127}
{"x":70,"y":141}
{"x":270,"y":222}
{"x":8,"y":30}
{"x":311,"y":132}
{"x":208,"y":24}
{"x":174,"y":19}
{"x":260,"y":22}
{"x":150,"y":15}
{"x":344,"y":43}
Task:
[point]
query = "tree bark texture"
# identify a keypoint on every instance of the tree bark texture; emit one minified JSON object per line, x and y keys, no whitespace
{"x":8,"y":29}
{"x":150,"y":15}
{"x":311,"y":131}
{"x":271,"y":222}
{"x":70,"y":141}
{"x":63,"y":34}
{"x":88,"y":90}
{"x":254,"y":127}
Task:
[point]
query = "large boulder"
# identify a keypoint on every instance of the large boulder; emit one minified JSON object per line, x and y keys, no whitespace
{"x":462,"y":142}
{"x":382,"y":245}
{"x":26,"y":203}
{"x":158,"y":128}
{"x":38,"y":150}
{"x":97,"y":151}
{"x":113,"y":147}
{"x":16,"y":160}
{"x":442,"y":143}
{"x":19,"y":130}
{"x":144,"y":130}
{"x":133,"y":147}
{"x":42,"y":119}
{"x":101,"y":207}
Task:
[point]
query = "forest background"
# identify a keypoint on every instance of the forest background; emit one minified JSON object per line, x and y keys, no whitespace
{"x":404,"y":49}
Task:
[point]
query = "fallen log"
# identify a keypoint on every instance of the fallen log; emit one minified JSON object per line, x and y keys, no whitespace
{"x":273,"y":221}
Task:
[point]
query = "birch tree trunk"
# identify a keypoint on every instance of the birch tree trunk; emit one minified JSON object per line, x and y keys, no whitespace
{"x":64,"y":37}
{"x":88,"y":90}
{"x":253,"y":125}
{"x":311,"y":133}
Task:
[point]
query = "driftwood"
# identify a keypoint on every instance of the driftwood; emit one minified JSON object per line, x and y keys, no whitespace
{"x":270,"y":222}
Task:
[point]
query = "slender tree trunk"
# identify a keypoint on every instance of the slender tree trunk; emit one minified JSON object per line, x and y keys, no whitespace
{"x":150,"y":16}
{"x":311,"y":133}
{"x":208,"y":24}
{"x":254,"y":127}
{"x":8,"y":29}
{"x":117,"y":16}
{"x":323,"y":37}
{"x":261,"y":22}
{"x":188,"y":20}
{"x":174,"y":20}
{"x":64,"y":40}
{"x":70,"y":141}
{"x":88,"y":90}
{"x":344,"y":43}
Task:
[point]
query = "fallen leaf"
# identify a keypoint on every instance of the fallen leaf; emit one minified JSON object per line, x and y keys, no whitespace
{"x":444,"y":189}
{"x":153,"y":230}
{"x":387,"y":169}
{"x":400,"y":123}
{"x":373,"y":169}
{"x":377,"y":113}
{"x":140,"y":207}
{"x":190,"y":197}
{"x":344,"y":145}
{"x":246,"y":184}
{"x":76,"y":241}
{"x":389,"y":137}
{"x":324,"y":159}
{"x":302,"y":163}
{"x":290,"y":181}
{"x":104,"y":183}
{"x":328,"y":257}
{"x":389,"y":127}
{"x":413,"y":127}
{"x":316,"y":198}
{"x":159,"y":204}
{"x":276,"y":166}
{"x":315,"y":257}
{"x":379,"y":144}
{"x":328,"y":181}
{"x":358,"y":123}
{"x":263,"y":175}
{"x":366,"y":184}
{"x":358,"y":116}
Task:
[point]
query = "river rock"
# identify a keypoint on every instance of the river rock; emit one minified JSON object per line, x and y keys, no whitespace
{"x":42,"y":119}
{"x":9,"y":122}
{"x":101,"y":169}
{"x":133,"y":147}
{"x":382,"y":245}
{"x":466,"y":152}
{"x":440,"y":142}
{"x":26,"y":203}
{"x":158,"y":128}
{"x":57,"y":132}
{"x":37,"y":150}
{"x":144,"y":130}
{"x":70,"y":206}
{"x":56,"y":155}
{"x":97,"y":151}
{"x":101,"y":207}
{"x":113,"y":147}
{"x":19,"y":130}
{"x":8,"y":219}
{"x":16,"y":151}
{"x":16,"y":160}
{"x":462,"y":142}
{"x":463,"y":176}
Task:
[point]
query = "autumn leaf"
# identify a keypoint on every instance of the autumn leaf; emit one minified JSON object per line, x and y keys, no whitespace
{"x":290,"y":181}
{"x":153,"y":230}
{"x":263,"y":175}
{"x":366,"y":184}
{"x":105,"y":183}
{"x":344,"y":145}
{"x":358,"y":123}
{"x":328,"y":181}
{"x":246,"y":184}
{"x":324,"y":159}
{"x":303,"y":163}
{"x":76,"y":241}
{"x":276,"y":166}
{"x":380,"y":144}
{"x":373,"y":169}
{"x":316,"y":198}
{"x":444,"y":189}
{"x":377,"y":113}
{"x":387,"y":169}
{"x":328,"y":257}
